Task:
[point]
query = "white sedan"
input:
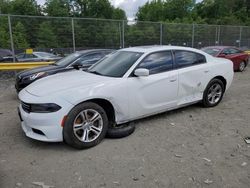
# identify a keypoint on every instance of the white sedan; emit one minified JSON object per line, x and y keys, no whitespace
{"x":78,"y":107}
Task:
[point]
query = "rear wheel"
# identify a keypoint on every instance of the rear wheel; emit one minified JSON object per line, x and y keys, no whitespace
{"x":85,"y":126}
{"x":213,"y":93}
{"x":242,"y":66}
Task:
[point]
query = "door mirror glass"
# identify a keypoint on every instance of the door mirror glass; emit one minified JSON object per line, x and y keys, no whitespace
{"x":141,"y":72}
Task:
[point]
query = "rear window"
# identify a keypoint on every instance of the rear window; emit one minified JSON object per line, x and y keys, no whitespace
{"x":211,"y":51}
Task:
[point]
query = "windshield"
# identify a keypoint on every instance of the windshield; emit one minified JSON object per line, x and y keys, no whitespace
{"x":211,"y":51}
{"x":116,"y":65}
{"x":44,"y":54}
{"x":68,"y":59}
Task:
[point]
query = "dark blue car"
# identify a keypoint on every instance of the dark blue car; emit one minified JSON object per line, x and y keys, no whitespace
{"x":81,"y":59}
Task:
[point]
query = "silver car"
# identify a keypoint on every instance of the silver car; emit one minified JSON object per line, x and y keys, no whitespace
{"x":37,"y":56}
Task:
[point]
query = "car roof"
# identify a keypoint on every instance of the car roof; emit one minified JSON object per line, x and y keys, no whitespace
{"x":221,"y":47}
{"x":155,"y":48}
{"x":5,"y":52}
{"x":43,"y":52}
{"x":93,"y":50}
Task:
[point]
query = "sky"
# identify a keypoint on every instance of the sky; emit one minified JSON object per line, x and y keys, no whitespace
{"x":129,"y":6}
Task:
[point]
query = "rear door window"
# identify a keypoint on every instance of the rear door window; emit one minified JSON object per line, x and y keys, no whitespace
{"x":188,"y":58}
{"x":20,"y":56}
{"x":30,"y":56}
{"x":90,"y":59}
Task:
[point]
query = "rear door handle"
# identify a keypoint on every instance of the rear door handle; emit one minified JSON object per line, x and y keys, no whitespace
{"x":173,"y":80}
{"x":206,"y":71}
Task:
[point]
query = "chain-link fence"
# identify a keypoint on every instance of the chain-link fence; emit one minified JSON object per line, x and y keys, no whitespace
{"x":65,"y":35}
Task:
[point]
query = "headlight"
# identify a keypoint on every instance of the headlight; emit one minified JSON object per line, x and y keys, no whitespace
{"x":37,"y":75}
{"x":41,"y":108}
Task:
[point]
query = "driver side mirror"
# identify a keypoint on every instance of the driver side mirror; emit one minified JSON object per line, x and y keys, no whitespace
{"x":141,"y":72}
{"x":77,"y":66}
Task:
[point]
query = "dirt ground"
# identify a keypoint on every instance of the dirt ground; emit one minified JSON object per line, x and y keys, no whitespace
{"x":189,"y":147}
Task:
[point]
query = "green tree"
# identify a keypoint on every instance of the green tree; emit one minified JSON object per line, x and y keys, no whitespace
{"x":4,"y":6}
{"x":4,"y":33}
{"x":178,"y":8}
{"x":46,"y":36}
{"x":20,"y":7}
{"x":4,"y":39}
{"x":159,"y":10}
{"x":223,"y":11}
{"x":57,"y":8}
{"x":119,"y":14}
{"x":151,"y":11}
{"x":187,"y":11}
{"x":96,"y":9}
{"x":100,"y":9}
{"x":19,"y":36}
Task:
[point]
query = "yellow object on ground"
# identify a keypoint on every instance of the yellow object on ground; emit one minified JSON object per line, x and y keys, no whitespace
{"x":22,"y":65}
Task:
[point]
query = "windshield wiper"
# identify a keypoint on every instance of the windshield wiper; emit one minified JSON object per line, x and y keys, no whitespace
{"x":94,"y":72}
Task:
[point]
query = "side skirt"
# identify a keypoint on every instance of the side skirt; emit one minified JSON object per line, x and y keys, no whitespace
{"x":159,"y":112}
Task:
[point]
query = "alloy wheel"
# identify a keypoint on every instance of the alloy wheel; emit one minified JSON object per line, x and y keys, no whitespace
{"x":88,"y":125}
{"x":242,"y":66}
{"x":215,"y":93}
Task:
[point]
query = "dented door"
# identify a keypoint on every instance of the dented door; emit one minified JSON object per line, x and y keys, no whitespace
{"x":192,"y":83}
{"x":194,"y":73}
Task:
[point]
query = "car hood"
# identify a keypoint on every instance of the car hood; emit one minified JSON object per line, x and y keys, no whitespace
{"x":47,"y":68}
{"x":64,"y":82}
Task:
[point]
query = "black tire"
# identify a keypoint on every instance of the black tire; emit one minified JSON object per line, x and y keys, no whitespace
{"x":242,"y":66}
{"x":70,"y":137}
{"x":206,"y":102}
{"x":121,"y":131}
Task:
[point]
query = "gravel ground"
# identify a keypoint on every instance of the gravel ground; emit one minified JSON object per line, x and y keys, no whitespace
{"x":189,"y":147}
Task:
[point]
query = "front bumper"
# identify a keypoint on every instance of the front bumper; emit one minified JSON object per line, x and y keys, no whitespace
{"x":43,"y":126}
{"x":20,"y":84}
{"x":18,"y":88}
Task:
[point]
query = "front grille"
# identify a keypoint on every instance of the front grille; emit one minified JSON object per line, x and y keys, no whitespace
{"x":26,"y":107}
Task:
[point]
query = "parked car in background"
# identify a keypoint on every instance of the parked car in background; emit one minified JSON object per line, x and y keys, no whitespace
{"x":37,"y":56}
{"x":81,"y":59}
{"x":80,"y":106}
{"x":238,"y":57}
{"x":6,"y":56}
{"x":247,"y":51}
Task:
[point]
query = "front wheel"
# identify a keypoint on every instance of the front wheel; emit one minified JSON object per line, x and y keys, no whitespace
{"x":213,"y":94}
{"x":86,"y":126}
{"x":242,"y":66}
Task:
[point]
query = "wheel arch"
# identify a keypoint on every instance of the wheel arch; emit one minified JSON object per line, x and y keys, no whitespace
{"x":224,"y":81}
{"x":106,"y":105}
